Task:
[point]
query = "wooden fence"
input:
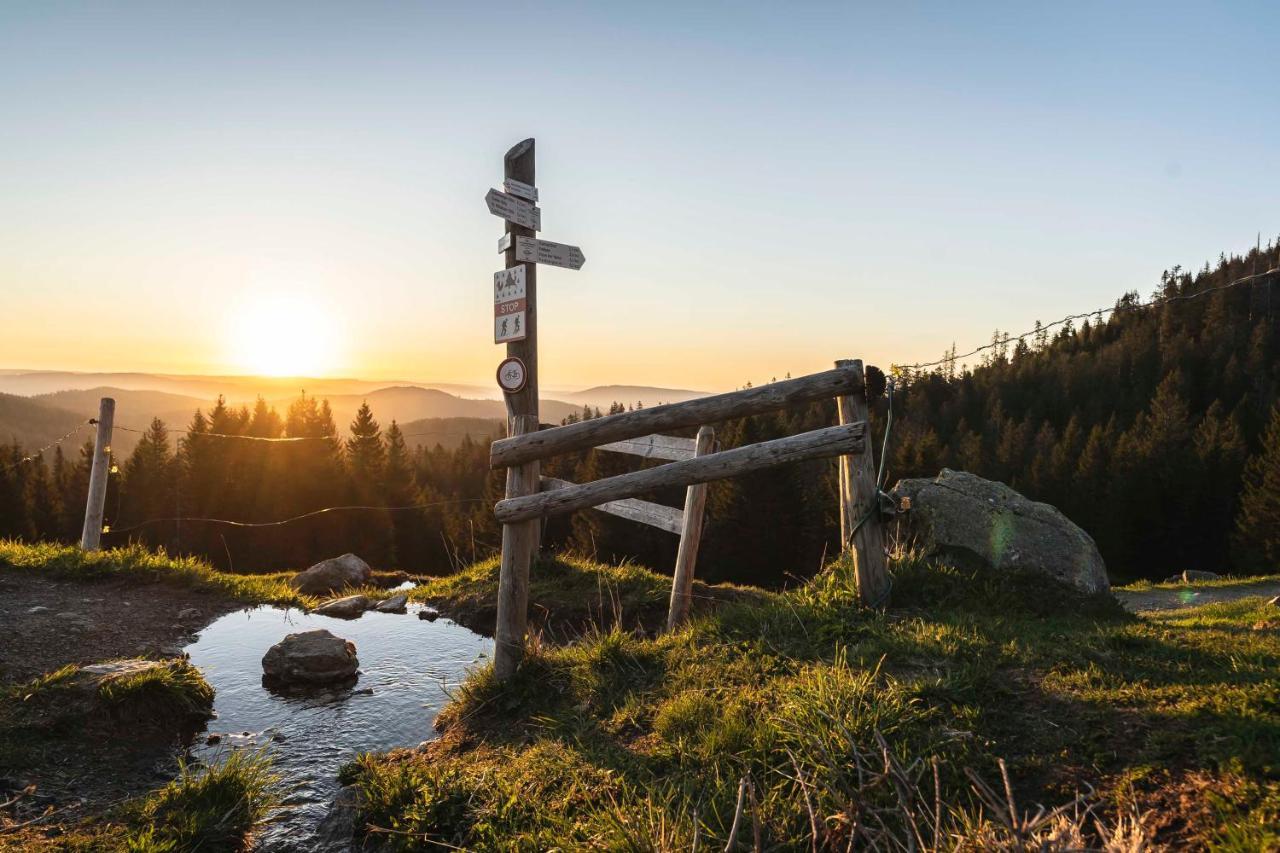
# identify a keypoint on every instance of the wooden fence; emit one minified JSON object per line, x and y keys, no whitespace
{"x":636,"y":432}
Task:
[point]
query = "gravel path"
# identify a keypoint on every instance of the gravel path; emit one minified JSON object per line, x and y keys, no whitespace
{"x":1193,"y":596}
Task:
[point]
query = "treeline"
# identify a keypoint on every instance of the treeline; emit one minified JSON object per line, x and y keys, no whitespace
{"x":1157,"y":429}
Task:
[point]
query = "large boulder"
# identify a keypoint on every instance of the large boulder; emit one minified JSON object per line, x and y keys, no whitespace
{"x":312,"y":657}
{"x":983,"y":524}
{"x":332,"y":575}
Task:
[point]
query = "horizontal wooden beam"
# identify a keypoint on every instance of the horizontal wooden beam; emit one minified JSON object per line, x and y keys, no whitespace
{"x":582,"y":435}
{"x":654,"y":447}
{"x":662,"y":517}
{"x":830,"y":441}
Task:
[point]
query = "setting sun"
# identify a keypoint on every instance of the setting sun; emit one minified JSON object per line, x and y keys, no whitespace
{"x":283,"y":335}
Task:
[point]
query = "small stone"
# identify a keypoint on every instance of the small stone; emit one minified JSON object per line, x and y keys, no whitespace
{"x":189,"y":613}
{"x":394,"y":604}
{"x":1191,"y":576}
{"x":345,"y":608}
{"x":363,"y":691}
{"x":38,"y":609}
{"x":212,"y":739}
{"x":430,"y":614}
{"x":278,"y":737}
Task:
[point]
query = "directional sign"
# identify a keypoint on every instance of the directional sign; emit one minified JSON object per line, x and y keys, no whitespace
{"x":520,"y":188}
{"x":509,"y":305}
{"x":514,"y":209}
{"x":537,"y":251}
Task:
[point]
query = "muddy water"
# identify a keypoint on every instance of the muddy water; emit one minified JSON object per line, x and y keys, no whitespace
{"x":410,"y":664}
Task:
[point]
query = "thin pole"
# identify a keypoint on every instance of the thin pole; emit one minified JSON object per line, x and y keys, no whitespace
{"x":91,"y":535}
{"x":520,"y":540}
{"x":695,"y":502}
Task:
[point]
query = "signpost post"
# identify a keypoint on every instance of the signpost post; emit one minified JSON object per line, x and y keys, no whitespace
{"x":520,"y":540}
{"x":515,"y":323}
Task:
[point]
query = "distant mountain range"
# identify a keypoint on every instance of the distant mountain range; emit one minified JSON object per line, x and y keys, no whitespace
{"x":37,"y":407}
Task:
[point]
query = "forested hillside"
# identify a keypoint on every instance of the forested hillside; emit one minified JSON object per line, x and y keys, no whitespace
{"x":1156,"y":428}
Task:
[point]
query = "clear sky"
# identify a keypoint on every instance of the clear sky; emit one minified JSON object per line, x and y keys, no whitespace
{"x":758,"y":188}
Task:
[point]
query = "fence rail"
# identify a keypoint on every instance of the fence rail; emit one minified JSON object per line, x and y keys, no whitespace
{"x":583,"y":435}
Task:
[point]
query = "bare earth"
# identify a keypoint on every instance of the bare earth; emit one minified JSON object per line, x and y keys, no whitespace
{"x":1193,"y":596}
{"x":107,"y":619}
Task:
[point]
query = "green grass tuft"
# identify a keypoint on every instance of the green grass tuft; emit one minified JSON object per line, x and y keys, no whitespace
{"x":214,"y":809}
{"x":176,"y":690}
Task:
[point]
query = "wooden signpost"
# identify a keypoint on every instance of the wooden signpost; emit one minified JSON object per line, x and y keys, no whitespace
{"x":515,"y":311}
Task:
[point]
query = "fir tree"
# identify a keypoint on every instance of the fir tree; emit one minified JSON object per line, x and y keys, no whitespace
{"x":1258,"y":524}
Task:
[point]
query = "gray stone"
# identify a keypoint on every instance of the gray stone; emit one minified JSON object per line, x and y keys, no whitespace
{"x":331,"y":575}
{"x":312,"y":657}
{"x":345,"y":608}
{"x":38,"y":609}
{"x":337,"y":829}
{"x":394,"y":604}
{"x":983,"y":524}
{"x":1192,"y":576}
{"x":189,"y":613}
{"x":429,"y":614}
{"x":76,"y":621}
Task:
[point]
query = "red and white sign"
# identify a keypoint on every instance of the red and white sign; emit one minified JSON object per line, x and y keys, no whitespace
{"x":509,"y":305}
{"x":512,"y":375}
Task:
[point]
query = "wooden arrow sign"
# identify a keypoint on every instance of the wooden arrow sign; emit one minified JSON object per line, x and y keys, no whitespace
{"x":533,"y":250}
{"x":514,"y":209}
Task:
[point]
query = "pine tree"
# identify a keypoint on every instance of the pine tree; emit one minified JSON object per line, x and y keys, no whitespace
{"x":366,"y":455}
{"x":1258,"y":523}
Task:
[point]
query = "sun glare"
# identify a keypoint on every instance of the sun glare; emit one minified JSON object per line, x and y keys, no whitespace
{"x":283,"y":335}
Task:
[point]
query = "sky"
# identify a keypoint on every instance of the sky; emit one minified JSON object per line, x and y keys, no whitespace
{"x":759,"y":189}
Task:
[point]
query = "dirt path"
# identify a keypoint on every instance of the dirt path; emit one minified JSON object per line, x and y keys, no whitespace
{"x":47,"y":623}
{"x":1193,"y":596}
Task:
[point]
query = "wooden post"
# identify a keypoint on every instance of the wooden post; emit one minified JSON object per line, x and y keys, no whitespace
{"x":519,"y":541}
{"x":859,"y":504}
{"x":695,"y":501}
{"x":91,"y":535}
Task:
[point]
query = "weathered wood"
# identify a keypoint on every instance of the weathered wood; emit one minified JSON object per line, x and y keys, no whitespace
{"x":860,"y":526}
{"x":662,"y":517}
{"x":513,"y":572}
{"x":830,"y":441}
{"x":695,"y":502}
{"x":654,"y":447}
{"x":706,"y":410}
{"x":91,"y":533}
{"x":519,"y":541}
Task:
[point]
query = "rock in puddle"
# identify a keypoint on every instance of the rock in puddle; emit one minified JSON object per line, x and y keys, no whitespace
{"x":394,"y":604}
{"x":311,"y":657}
{"x":345,"y":608}
{"x":430,"y":614}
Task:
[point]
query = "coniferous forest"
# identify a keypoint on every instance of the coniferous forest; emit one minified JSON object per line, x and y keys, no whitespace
{"x":1157,"y":429}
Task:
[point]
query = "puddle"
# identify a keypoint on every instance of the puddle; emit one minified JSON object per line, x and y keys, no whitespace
{"x":409,"y":663}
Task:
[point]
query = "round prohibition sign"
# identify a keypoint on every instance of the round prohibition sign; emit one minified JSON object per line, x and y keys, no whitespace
{"x":512,"y":375}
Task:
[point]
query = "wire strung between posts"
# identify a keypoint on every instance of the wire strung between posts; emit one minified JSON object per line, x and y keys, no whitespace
{"x":290,"y":438}
{"x":35,"y":453}
{"x":311,"y":514}
{"x":245,"y":437}
{"x":1098,"y":313}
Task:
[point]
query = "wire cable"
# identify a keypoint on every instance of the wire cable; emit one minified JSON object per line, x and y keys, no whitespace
{"x":35,"y":453}
{"x":1098,"y":313}
{"x":305,"y":515}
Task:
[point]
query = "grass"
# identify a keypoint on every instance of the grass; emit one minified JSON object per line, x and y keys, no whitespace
{"x":215,"y":809}
{"x":138,"y":564}
{"x":568,"y":594}
{"x":1224,"y":582}
{"x":833,"y":725}
{"x":68,"y":710}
